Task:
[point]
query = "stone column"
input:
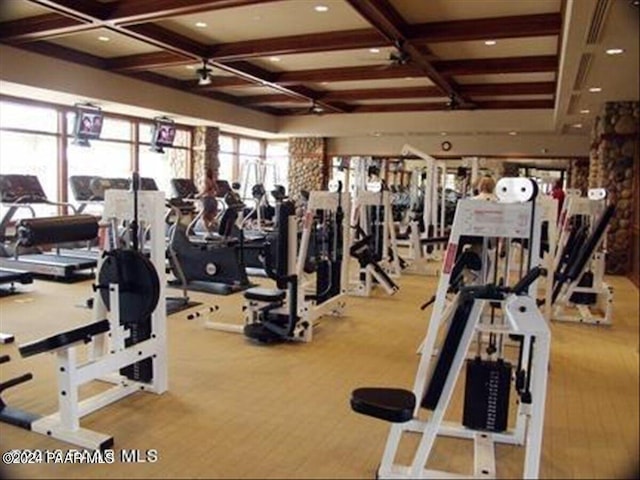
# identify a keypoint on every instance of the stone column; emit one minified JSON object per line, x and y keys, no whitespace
{"x":307,"y":170}
{"x":205,"y":149}
{"x":579,"y":175}
{"x":616,"y":145}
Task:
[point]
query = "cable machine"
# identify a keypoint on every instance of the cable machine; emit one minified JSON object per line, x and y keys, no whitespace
{"x":491,"y":310}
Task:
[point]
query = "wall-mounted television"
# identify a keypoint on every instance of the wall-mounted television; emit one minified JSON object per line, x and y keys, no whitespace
{"x":163,"y":134}
{"x":87,"y":125}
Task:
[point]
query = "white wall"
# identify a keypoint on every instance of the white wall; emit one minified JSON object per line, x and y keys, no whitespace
{"x":531,"y":145}
{"x":31,"y":75}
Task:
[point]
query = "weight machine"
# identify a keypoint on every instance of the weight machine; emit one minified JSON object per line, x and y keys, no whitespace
{"x":580,"y":293}
{"x":127,"y":339}
{"x":304,"y":292}
{"x":427,"y":184}
{"x":474,"y":312}
{"x":373,"y":241}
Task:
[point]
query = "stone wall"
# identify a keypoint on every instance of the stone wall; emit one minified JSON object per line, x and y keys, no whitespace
{"x":613,"y":152}
{"x":307,"y":170}
{"x":205,"y":151}
{"x":579,"y":175}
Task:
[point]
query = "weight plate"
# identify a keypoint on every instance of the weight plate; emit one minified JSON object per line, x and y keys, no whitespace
{"x":138,"y":283}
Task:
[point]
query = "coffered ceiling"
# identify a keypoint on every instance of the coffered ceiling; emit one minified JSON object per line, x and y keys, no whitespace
{"x":292,"y":58}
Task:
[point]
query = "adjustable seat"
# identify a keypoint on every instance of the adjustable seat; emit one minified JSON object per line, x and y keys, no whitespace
{"x":269,"y":295}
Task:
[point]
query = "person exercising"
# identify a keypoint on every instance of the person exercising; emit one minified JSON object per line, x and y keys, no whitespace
{"x":209,"y":203}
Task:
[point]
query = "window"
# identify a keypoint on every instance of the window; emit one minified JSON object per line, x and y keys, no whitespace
{"x":251,"y":167}
{"x":227,"y":157}
{"x":28,"y":117}
{"x":162,"y":167}
{"x":31,"y":154}
{"x":278,"y":157}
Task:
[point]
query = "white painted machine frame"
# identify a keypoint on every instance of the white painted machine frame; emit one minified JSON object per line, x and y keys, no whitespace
{"x":522,"y":318}
{"x":361,"y":284}
{"x":107,"y":352}
{"x":563,"y":309}
{"x":418,"y":260}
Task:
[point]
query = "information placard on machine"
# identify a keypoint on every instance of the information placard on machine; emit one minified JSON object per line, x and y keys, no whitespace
{"x":489,"y":219}
{"x":119,"y":204}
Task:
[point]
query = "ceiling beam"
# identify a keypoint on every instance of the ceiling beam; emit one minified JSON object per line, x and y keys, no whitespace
{"x":473,"y":90}
{"x":40,"y":27}
{"x":344,"y":74}
{"x":486,"y":28}
{"x":89,"y":11}
{"x":517,"y":88}
{"x":480,"y":66}
{"x":146,"y":61}
{"x":431,"y":106}
{"x":384,"y":18}
{"x":163,"y":38}
{"x":166,"y":39}
{"x":309,"y":43}
{"x":545,"y":63}
{"x":125,"y":12}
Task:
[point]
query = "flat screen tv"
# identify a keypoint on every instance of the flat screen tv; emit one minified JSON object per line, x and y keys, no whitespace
{"x":88,"y":124}
{"x":162,"y":135}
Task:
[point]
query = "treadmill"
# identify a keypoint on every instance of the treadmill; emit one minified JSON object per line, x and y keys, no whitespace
{"x":23,"y":191}
{"x":12,"y":277}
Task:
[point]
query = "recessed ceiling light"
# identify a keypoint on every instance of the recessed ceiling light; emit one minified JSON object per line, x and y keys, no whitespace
{"x":376,"y":134}
{"x":274,"y":59}
{"x":408,"y":78}
{"x":577,"y":125}
{"x":614,"y":51}
{"x":513,"y":133}
{"x":490,"y":43}
{"x":374,"y":50}
{"x":595,"y":89}
{"x":585,"y":111}
{"x":190,"y":67}
{"x":444,"y":134}
{"x":324,"y":83}
{"x":104,"y":39}
{"x":201,"y":25}
{"x":321,"y":8}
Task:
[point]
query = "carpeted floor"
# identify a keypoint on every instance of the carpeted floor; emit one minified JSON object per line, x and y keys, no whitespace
{"x":237,"y":410}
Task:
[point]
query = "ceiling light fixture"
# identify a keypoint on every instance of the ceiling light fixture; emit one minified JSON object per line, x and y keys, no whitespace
{"x":614,"y":51}
{"x":321,"y":8}
{"x":490,"y":43}
{"x":274,"y":59}
{"x":316,"y":109}
{"x":585,"y":111}
{"x":513,"y":133}
{"x":204,"y":74}
{"x":595,"y":89}
{"x":577,"y":125}
{"x":374,"y":50}
{"x":201,"y":25}
{"x":104,"y":39}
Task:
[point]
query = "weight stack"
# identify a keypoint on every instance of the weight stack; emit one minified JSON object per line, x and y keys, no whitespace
{"x":486,"y":396}
{"x":584,"y":298}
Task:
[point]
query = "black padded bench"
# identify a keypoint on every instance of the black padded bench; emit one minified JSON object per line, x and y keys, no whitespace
{"x":64,"y":339}
{"x":390,"y":404}
{"x":260,"y":294}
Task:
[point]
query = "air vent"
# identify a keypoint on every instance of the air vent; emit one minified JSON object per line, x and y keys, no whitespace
{"x":597,"y":21}
{"x":583,"y":70}
{"x":573,"y":104}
